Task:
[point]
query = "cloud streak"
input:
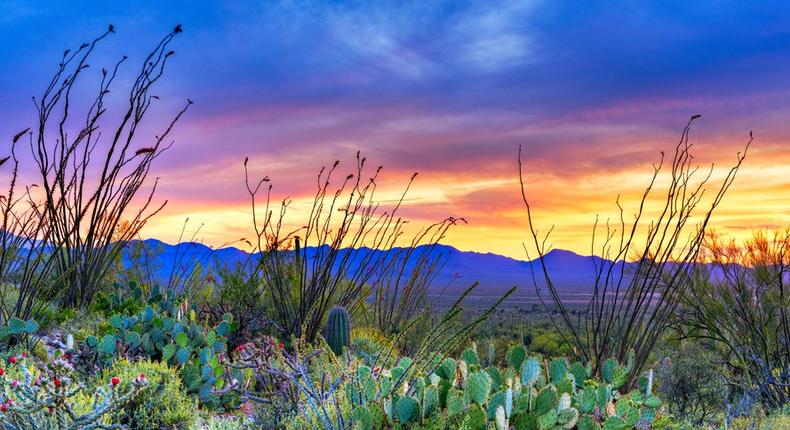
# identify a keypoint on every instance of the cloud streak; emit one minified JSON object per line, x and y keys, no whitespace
{"x":450,"y":89}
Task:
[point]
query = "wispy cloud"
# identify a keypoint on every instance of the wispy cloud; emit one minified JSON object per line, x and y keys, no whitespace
{"x":451,"y":89}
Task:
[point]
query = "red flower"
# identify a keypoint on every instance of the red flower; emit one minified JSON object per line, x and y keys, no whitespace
{"x":3,"y":407}
{"x":2,"y":371}
{"x":57,"y":383}
{"x":279,"y":345}
{"x":12,"y":360}
{"x":141,"y":377}
{"x":115,"y":380}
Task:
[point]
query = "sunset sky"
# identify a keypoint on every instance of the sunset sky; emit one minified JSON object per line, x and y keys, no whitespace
{"x":591,"y":91}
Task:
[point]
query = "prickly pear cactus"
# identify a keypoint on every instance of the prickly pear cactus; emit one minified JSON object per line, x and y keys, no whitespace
{"x":528,"y":393}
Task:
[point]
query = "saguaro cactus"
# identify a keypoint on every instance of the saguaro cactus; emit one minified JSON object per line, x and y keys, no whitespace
{"x":338,"y":329}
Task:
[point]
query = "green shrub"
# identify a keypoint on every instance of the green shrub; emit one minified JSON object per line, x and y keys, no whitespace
{"x":164,"y":404}
{"x":373,"y":347}
{"x":692,"y":383}
{"x":214,"y":422}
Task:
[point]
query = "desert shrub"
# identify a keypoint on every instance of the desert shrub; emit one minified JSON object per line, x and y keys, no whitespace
{"x":548,"y":342}
{"x":692,"y":383}
{"x":214,"y":422}
{"x":164,"y":404}
{"x":238,"y":292}
{"x":761,"y":421}
{"x":643,"y":263}
{"x":741,"y":302}
{"x":368,"y":344}
{"x":350,"y":246}
{"x":92,"y":223}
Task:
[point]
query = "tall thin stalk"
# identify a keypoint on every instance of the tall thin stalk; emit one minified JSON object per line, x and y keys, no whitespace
{"x":91,"y":178}
{"x":347,"y":248}
{"x":644,"y":268}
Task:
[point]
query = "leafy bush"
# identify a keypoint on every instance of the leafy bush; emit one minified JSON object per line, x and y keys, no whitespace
{"x":759,"y":421}
{"x":163,"y":404}
{"x":370,"y":345}
{"x":219,"y":423}
{"x":740,"y":302}
{"x":239,"y":292}
{"x":548,"y":342}
{"x":692,"y":384}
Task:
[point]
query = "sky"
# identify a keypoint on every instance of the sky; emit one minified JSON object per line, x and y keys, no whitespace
{"x":592,"y":92}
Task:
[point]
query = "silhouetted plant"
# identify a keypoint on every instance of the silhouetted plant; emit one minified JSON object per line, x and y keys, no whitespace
{"x":400,"y":290}
{"x":26,"y":259}
{"x":347,"y":246}
{"x":90,"y":178}
{"x":189,"y":272}
{"x":632,"y":304}
{"x":741,"y":302}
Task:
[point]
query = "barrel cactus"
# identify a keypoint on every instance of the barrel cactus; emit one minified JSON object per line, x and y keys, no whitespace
{"x":338,"y":329}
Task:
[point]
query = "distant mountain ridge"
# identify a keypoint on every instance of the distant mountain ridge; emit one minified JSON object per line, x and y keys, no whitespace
{"x":571,"y":273}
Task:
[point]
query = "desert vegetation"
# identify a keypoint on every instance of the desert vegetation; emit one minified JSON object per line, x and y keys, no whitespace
{"x":331,"y":325}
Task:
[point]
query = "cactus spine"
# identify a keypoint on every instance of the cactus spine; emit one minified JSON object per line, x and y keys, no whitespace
{"x":338,"y":329}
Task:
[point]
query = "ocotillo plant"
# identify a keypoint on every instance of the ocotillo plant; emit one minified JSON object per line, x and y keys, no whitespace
{"x":350,"y":246}
{"x":86,"y":209}
{"x":632,"y":305}
{"x":26,"y":267}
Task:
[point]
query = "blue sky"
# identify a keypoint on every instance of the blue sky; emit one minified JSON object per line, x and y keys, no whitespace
{"x":591,"y":89}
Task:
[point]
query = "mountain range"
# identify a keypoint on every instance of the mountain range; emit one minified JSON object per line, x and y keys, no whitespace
{"x":572,"y":274}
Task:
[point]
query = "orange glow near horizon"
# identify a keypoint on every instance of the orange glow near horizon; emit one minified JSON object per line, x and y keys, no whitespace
{"x":759,"y":200}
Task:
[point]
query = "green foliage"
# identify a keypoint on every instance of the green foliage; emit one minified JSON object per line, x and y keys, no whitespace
{"x":122,"y":298}
{"x":548,"y":342}
{"x":15,"y":330}
{"x":163,"y":404}
{"x":177,"y":340}
{"x":338,"y":329}
{"x":692,"y":383}
{"x":527,"y":394}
